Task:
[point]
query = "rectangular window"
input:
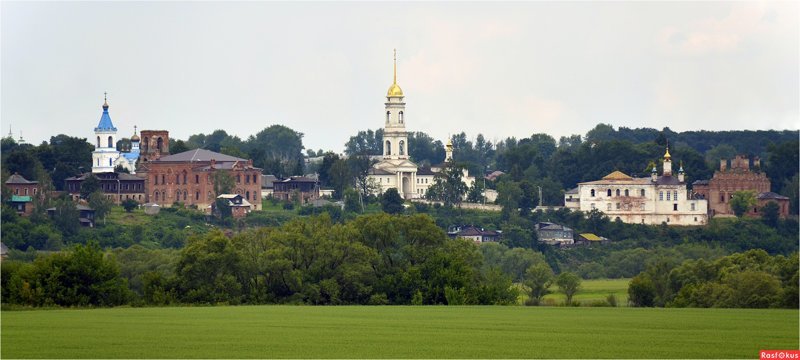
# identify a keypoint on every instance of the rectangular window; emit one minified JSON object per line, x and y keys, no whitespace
{"x":618,"y":206}
{"x":674,"y":207}
{"x":660,"y":196}
{"x":693,"y":208}
{"x":668,"y":197}
{"x":197,"y":179}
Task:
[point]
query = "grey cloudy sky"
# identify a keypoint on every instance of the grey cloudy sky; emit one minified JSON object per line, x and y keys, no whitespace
{"x":501,"y":69}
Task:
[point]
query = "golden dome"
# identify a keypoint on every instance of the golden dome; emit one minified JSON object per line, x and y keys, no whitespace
{"x":667,"y":155}
{"x":135,"y":137}
{"x":449,"y":143}
{"x":394,"y":91}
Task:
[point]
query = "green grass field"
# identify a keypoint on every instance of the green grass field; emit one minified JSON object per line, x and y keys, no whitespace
{"x":396,"y":332}
{"x":593,"y":290}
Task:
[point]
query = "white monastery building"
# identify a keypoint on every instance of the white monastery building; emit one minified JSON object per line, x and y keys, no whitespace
{"x":395,"y":169}
{"x":654,"y":200}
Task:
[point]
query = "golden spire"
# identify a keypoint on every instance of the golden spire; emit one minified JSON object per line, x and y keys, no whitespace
{"x":394,"y":90}
{"x":395,"y":67}
{"x":667,"y":156}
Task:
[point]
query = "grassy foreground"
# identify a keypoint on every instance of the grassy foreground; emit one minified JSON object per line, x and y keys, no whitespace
{"x":396,"y":332}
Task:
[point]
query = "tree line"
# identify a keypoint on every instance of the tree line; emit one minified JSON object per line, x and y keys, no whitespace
{"x":374,"y":259}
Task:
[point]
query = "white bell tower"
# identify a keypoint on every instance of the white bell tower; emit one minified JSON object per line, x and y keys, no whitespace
{"x":395,"y":137}
{"x":105,"y":147}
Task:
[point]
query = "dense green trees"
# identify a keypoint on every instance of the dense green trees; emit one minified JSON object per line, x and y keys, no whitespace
{"x":81,"y":277}
{"x":751,"y":279}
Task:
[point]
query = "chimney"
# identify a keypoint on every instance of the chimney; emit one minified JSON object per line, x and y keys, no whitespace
{"x":723,"y":164}
{"x":757,"y":162}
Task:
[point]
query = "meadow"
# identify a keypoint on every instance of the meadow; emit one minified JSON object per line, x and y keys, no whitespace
{"x":592,"y":291}
{"x":396,"y":332}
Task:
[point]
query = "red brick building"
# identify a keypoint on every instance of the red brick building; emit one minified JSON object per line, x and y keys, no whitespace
{"x":155,"y":144}
{"x":739,"y":176}
{"x":188,"y":178}
{"x":22,"y":193}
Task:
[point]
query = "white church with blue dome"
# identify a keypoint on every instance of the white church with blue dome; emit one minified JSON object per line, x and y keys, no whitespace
{"x":106,"y":156}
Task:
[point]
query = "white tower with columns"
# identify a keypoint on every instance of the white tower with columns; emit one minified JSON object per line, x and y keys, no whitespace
{"x":395,"y":137}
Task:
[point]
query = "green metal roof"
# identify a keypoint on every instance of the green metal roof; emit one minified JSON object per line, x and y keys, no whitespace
{"x":16,"y":198}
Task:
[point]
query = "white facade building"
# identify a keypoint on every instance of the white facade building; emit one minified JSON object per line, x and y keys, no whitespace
{"x":654,"y":200}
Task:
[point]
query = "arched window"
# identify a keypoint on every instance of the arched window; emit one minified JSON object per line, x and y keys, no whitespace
{"x":197,"y":179}
{"x":388,"y":147}
{"x":163,"y":179}
{"x":185,"y":193}
{"x":155,"y":179}
{"x":159,"y":144}
{"x":156,"y":195}
{"x":402,"y":147}
{"x":177,"y":195}
{"x":608,"y":192}
{"x":401,"y":117}
{"x":626,"y":192}
{"x":617,"y":192}
{"x":197,"y":195}
{"x":642,"y":192}
{"x":592,"y":192}
{"x":388,"y":113}
{"x":177,"y":179}
{"x":184,"y":177}
{"x":145,"y":143}
{"x":98,"y":141}
{"x":110,"y":142}
{"x":247,"y":195}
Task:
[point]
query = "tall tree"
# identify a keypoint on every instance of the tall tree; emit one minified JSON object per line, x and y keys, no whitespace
{"x":741,"y":201}
{"x":391,"y":202}
{"x":569,"y":284}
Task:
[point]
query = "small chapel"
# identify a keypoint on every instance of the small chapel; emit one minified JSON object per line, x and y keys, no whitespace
{"x":105,"y":156}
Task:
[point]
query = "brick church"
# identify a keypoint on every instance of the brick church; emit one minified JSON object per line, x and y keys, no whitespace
{"x":738,"y":176}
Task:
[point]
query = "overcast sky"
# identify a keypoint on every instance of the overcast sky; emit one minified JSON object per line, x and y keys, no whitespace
{"x":323,"y":69}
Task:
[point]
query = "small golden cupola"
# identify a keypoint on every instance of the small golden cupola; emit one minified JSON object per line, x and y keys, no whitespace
{"x":394,"y":90}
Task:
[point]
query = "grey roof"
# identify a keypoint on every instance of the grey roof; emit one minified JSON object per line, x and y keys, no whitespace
{"x":571,"y":191}
{"x":377,"y":171}
{"x":551,"y":226}
{"x":425,"y":171}
{"x":299,"y":179}
{"x":267,"y":180}
{"x":18,"y":179}
{"x":771,"y":195}
{"x":474,"y":231}
{"x":667,"y":180}
{"x":700,"y":182}
{"x":198,"y":155}
{"x":77,"y":206}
